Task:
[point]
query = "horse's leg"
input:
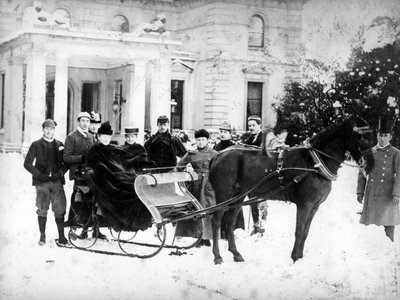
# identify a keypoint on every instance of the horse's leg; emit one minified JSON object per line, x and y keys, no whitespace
{"x":307,"y":228}
{"x":216,"y":227}
{"x":303,"y":212}
{"x":231,"y":221}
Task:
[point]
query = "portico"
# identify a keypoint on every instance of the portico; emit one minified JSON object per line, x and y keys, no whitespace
{"x":113,"y":66}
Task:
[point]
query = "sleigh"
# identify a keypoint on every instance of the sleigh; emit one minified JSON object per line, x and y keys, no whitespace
{"x":148,"y":221}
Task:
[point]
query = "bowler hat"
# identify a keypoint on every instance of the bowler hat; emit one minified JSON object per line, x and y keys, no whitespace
{"x":254,"y":118}
{"x":129,"y":131}
{"x":84,"y":114}
{"x":226,"y":126}
{"x":201,"y":133}
{"x":162,"y":119}
{"x":105,"y":128}
{"x":385,"y":125}
{"x":49,"y":123}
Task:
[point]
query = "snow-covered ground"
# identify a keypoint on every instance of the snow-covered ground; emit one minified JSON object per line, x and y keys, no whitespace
{"x":342,"y":259}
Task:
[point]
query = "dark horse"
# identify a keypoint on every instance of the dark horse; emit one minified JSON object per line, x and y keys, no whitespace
{"x":301,"y":179}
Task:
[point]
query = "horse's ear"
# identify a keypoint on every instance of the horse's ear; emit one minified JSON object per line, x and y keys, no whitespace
{"x":362,"y":130}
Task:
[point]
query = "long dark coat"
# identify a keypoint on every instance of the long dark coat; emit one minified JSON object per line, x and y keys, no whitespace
{"x":76,"y":146}
{"x":37,"y":152}
{"x":381,"y":184}
{"x":163,"y":148}
{"x":201,"y":188}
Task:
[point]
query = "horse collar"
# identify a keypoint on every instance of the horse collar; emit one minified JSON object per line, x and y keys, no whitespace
{"x":321,"y":167}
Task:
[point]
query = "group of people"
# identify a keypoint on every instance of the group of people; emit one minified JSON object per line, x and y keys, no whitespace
{"x":48,"y":159}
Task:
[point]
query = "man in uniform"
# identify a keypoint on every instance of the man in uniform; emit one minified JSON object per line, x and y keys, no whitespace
{"x":163,"y":147}
{"x":380,"y":189}
{"x":199,"y":160}
{"x":48,"y":178}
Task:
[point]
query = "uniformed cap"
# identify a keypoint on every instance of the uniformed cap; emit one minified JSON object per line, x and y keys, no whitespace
{"x":49,"y":123}
{"x":226,"y":126}
{"x":254,"y":118}
{"x":83,"y":114}
{"x":201,"y":133}
{"x":162,"y":119}
{"x":95,"y":117}
{"x":385,"y":125}
{"x":129,"y":131}
{"x":105,"y":129}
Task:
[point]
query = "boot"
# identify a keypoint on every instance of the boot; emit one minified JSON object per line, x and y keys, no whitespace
{"x":60,"y":226}
{"x":42,"y":228}
{"x":389,"y":230}
{"x":96,"y":232}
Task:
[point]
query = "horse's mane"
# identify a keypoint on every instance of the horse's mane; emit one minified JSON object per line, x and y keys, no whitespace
{"x":335,"y":130}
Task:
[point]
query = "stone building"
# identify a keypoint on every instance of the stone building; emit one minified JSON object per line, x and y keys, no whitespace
{"x":201,"y":62}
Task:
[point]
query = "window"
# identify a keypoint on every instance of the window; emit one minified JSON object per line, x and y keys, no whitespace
{"x":49,"y":100}
{"x":120,"y":23}
{"x":254,"y":99}
{"x":2,"y":81}
{"x":90,"y":97}
{"x":176,"y":103}
{"x":256,"y":32}
{"x":119,"y":99}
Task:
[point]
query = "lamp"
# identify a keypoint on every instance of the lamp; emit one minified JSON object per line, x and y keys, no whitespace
{"x":337,"y":106}
{"x":173,"y":105}
{"x":117,"y":104}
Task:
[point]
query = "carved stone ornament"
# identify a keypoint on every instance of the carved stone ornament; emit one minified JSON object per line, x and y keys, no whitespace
{"x":257,"y":68}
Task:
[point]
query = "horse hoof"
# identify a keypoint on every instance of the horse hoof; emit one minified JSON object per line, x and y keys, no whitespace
{"x":218,"y":261}
{"x":238,"y":258}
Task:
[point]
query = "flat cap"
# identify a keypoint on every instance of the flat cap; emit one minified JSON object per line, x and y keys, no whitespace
{"x":162,"y":119}
{"x":49,"y":123}
{"x":254,"y":118}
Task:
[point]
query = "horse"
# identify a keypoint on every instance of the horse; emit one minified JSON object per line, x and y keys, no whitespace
{"x":302,"y":175}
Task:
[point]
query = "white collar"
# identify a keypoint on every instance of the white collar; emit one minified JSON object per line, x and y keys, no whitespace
{"x":81,"y":131}
{"x":48,"y":140}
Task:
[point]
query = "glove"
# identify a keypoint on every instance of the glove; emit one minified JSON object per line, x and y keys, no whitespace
{"x":83,"y":158}
{"x":360,"y":198}
{"x":56,"y":176}
{"x":44,"y":178}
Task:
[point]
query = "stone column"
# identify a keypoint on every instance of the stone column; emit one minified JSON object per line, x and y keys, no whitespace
{"x":61,"y":97}
{"x":35,"y":97}
{"x":14,"y":88}
{"x":160,"y":103}
{"x":136,"y":97}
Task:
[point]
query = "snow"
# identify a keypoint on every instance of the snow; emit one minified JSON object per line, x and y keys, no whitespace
{"x":342,"y":259}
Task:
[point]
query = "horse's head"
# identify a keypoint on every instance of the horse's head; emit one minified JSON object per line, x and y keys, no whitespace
{"x":353,"y":135}
{"x":361,"y":138}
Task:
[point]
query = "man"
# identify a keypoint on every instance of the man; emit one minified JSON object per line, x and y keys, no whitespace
{"x":199,"y":160}
{"x":95,"y":122}
{"x":225,"y":135}
{"x":163,"y":148}
{"x":77,"y":145}
{"x":255,"y":139}
{"x":48,"y":178}
{"x":380,"y":190}
{"x":254,"y":125}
